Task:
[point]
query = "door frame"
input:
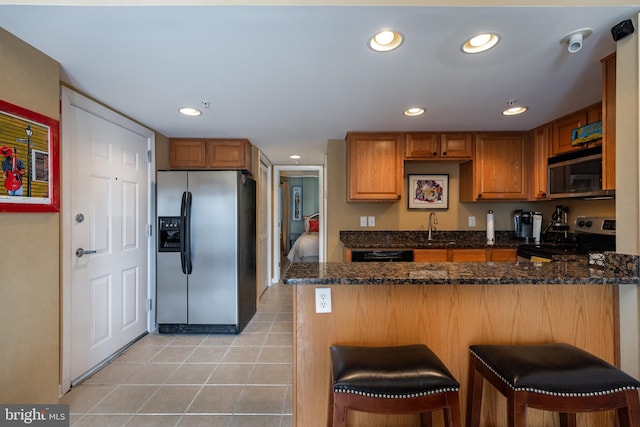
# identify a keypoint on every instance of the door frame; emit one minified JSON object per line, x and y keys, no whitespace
{"x":71,"y":98}
{"x":322,"y":229}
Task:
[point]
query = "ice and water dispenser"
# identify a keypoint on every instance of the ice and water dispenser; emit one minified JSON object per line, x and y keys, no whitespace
{"x":169,"y":234}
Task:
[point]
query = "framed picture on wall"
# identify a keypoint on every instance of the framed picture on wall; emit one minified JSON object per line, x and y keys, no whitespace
{"x":296,"y":203}
{"x":428,"y":191}
{"x":29,"y":149}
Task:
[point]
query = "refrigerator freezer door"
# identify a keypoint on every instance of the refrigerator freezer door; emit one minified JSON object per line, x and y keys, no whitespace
{"x":171,"y":300}
{"x":171,"y":283}
{"x":213,"y":283}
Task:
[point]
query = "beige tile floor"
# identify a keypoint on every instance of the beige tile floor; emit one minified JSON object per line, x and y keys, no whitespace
{"x":198,"y":380}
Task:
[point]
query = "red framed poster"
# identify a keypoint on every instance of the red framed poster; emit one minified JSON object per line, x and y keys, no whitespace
{"x":29,"y":150}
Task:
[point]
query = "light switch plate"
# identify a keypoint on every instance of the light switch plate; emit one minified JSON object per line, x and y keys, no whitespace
{"x":363,"y":221}
{"x":472,"y":221}
{"x":372,"y":221}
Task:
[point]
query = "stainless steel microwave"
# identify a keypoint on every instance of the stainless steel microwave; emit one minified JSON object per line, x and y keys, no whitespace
{"x":577,"y":174}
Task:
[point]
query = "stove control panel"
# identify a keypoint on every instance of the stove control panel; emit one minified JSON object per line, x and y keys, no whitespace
{"x":596,"y":225}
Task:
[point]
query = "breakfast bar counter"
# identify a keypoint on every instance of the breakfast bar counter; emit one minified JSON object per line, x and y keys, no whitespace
{"x":450,"y":306}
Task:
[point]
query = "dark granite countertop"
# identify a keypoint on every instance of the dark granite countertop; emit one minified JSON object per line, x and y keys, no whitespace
{"x":616,"y":269}
{"x":418,"y":239}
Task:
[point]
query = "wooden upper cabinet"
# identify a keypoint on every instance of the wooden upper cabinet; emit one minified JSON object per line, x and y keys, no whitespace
{"x":187,"y":153}
{"x":422,"y":145}
{"x":562,"y":128}
{"x":456,"y":145}
{"x":609,"y":122}
{"x":498,"y":170}
{"x":438,"y":146}
{"x":229,"y":154}
{"x":540,"y":140}
{"x":214,"y":154}
{"x":374,"y":166}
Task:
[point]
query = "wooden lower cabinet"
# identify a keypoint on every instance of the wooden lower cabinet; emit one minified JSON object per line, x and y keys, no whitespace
{"x":503,"y":255}
{"x":430,"y":255}
{"x":469,"y":255}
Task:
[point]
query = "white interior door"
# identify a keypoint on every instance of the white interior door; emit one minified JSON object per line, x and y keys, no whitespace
{"x":109,"y":261}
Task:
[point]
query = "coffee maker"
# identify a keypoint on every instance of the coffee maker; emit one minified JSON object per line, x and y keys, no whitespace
{"x":527,"y":225}
{"x":558,"y":229}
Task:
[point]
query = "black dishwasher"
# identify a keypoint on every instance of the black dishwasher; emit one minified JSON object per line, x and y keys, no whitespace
{"x":381,"y":256}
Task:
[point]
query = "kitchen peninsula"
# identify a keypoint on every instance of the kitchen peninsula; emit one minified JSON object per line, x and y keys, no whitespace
{"x":449,"y":306}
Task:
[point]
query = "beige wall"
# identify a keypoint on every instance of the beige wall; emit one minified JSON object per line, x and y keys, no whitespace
{"x":29,"y":289}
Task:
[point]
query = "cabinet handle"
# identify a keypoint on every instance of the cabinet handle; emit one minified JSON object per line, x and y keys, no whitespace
{"x":479,"y":196}
{"x":444,"y":154}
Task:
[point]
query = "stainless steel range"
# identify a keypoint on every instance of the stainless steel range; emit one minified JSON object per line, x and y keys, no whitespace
{"x":592,"y":234}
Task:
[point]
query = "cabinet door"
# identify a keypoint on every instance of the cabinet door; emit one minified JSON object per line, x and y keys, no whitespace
{"x":540,"y":139}
{"x":609,"y":123}
{"x":430,"y":255}
{"x":499,"y":170}
{"x":504,"y":255}
{"x":436,"y":146}
{"x":456,"y":145}
{"x":562,"y":130}
{"x":187,"y":153}
{"x":229,"y":154}
{"x":422,"y":145}
{"x":469,"y":255}
{"x":374,"y":167}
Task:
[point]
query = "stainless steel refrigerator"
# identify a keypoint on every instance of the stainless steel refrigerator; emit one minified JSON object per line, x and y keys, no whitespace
{"x":206,"y":255}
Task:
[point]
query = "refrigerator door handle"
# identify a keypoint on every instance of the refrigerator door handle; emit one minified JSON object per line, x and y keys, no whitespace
{"x":183,"y":205}
{"x":187,"y":233}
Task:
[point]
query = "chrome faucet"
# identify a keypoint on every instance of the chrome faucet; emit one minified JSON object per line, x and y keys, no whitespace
{"x":433,"y":220}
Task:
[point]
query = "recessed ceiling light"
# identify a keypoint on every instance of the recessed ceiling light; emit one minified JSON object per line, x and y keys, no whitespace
{"x":414,"y":111}
{"x":190,"y":111}
{"x":514,"y":111}
{"x":294,"y":156}
{"x":386,"y":40}
{"x":481,"y":42}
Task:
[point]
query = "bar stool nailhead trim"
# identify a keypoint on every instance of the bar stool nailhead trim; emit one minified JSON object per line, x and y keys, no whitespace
{"x":552,"y":393}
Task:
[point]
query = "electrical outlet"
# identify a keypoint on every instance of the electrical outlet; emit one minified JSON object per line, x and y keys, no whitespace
{"x":323,"y":300}
{"x":363,"y":221}
{"x":472,"y":221}
{"x":372,"y":221}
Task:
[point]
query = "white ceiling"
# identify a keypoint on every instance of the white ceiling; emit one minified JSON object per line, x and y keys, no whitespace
{"x":291,"y":77}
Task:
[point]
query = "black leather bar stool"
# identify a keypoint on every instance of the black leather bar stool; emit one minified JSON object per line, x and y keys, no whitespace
{"x":552,"y":377}
{"x":391,"y":380}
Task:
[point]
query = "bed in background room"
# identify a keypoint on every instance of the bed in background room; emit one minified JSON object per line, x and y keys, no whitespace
{"x":306,"y":246}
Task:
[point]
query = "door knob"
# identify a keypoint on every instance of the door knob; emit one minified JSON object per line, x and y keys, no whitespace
{"x":80,"y":252}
